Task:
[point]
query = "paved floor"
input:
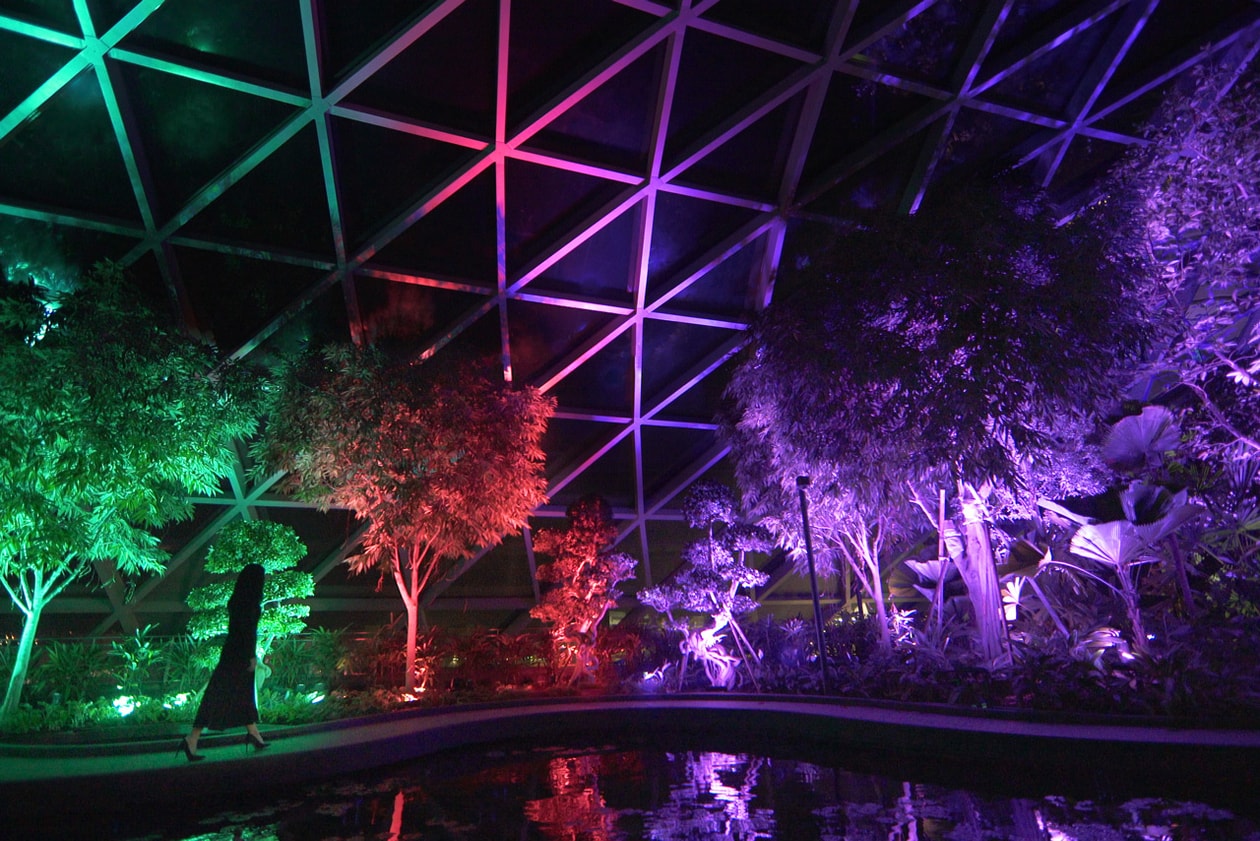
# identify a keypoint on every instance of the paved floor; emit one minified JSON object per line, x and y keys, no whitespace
{"x":66,"y":780}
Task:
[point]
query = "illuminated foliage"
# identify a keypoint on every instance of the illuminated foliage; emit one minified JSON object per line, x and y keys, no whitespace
{"x":713,"y":571}
{"x":1193,"y":190}
{"x":279,"y":550}
{"x":108,"y":421}
{"x":583,"y":582}
{"x":439,"y":461}
{"x":952,"y":346}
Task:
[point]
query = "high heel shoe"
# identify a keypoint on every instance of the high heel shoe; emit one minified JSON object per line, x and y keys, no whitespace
{"x":183,"y":746}
{"x":252,"y":741}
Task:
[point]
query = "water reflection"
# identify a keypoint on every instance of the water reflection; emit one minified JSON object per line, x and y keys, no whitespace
{"x":610,"y":795}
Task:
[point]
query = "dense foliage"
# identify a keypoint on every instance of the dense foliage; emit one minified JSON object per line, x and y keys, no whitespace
{"x":438,"y":461}
{"x":109,"y":419}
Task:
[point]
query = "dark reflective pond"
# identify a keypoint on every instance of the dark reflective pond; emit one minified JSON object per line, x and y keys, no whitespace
{"x":603,"y":794}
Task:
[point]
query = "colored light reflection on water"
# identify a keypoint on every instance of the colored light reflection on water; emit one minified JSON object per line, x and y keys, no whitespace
{"x":609,"y":794}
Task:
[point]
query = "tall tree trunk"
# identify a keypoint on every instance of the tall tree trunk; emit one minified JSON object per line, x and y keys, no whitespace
{"x":979,"y":572}
{"x":31,"y":601}
{"x":409,"y":591}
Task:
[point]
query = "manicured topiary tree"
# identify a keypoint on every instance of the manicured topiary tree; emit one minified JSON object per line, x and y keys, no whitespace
{"x":279,"y":550}
{"x":109,"y":419}
{"x":581,"y":584}
{"x":714,"y":571}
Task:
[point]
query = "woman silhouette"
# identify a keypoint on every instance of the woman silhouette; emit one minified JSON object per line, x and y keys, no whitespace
{"x":229,"y":699}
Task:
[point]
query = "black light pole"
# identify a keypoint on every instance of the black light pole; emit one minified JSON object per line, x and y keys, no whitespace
{"x":802,"y":482}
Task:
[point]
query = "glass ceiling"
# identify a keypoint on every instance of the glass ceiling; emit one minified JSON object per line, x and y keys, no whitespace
{"x":598,"y":191}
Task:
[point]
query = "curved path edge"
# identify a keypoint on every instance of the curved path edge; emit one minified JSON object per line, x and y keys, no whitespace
{"x":965,"y":749}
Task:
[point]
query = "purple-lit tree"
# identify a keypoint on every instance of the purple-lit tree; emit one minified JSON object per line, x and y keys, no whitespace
{"x":438,"y":459}
{"x":109,"y":419}
{"x":583,"y":581}
{"x":942,"y":349}
{"x":1193,"y":191}
{"x":714,"y":570}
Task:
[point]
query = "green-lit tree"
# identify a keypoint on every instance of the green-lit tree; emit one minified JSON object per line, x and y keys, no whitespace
{"x":109,"y":419}
{"x":438,"y":459}
{"x":279,"y":550}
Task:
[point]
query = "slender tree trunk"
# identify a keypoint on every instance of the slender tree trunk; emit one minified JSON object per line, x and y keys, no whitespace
{"x":21,"y":663}
{"x":1129,"y":591}
{"x":31,"y":602}
{"x":409,"y":591}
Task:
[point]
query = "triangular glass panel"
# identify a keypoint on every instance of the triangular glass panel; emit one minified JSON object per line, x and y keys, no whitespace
{"x":726,"y":289}
{"x":501,"y":573}
{"x":716,"y":78}
{"x":407,"y":316}
{"x":107,"y":13}
{"x":856,"y":114}
{"x":321,"y":321}
{"x":235,"y":296}
{"x":603,"y":383}
{"x":1046,"y":84}
{"x":28,"y":62}
{"x":191,"y":133}
{"x":446,"y":77}
{"x":352,"y":31}
{"x":455,"y":240}
{"x":67,"y":157}
{"x":543,"y":204}
{"x":698,"y":402}
{"x":603,"y":267}
{"x":673,"y":352}
{"x":612,"y":476}
{"x":1177,"y":31}
{"x":382,"y":173}
{"x":612,"y":124}
{"x":543,"y":334}
{"x":280,"y":203}
{"x":927,"y":46}
{"x":801,"y":23}
{"x":978,"y":139}
{"x":568,"y":442}
{"x":55,"y":14}
{"x":751,"y":163}
{"x":229,"y":37}
{"x":683,"y":230}
{"x":877,"y":184}
{"x":669,"y":451}
{"x":556,"y":43}
{"x":1028,"y":22}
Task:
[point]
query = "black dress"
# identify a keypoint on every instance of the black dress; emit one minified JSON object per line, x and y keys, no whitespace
{"x":229,"y":699}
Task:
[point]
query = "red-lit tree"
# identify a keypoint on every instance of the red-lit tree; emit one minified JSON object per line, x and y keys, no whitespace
{"x":583,"y":579}
{"x":439,"y":460}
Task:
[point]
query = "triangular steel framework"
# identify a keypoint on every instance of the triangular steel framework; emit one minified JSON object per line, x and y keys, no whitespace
{"x":602,"y":192}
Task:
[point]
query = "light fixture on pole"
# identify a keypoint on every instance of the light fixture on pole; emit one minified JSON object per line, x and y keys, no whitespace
{"x":802,"y":482}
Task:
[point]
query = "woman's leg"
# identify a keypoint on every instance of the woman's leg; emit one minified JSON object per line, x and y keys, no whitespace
{"x":192,"y":737}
